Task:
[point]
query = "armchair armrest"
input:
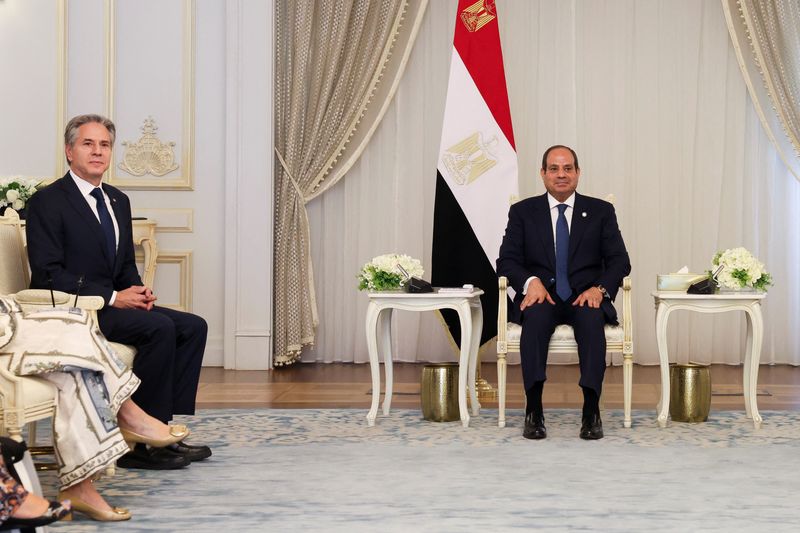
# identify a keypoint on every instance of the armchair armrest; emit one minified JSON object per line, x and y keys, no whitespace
{"x":502,"y":313}
{"x":42,"y":297}
{"x":627,"y":316}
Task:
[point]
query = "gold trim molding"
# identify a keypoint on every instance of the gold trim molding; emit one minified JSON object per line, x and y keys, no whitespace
{"x":168,"y":219}
{"x":182,"y":258}
{"x":185,"y":181}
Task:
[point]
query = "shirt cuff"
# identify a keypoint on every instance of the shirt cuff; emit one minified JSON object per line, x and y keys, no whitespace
{"x":112,"y":299}
{"x":527,"y":282}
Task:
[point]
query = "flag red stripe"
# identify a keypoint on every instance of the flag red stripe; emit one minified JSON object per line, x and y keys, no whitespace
{"x":483,"y":56}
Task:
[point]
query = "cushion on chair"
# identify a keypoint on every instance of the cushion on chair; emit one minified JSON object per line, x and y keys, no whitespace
{"x":124,"y":352}
{"x":37,"y":391}
{"x":564,"y":332}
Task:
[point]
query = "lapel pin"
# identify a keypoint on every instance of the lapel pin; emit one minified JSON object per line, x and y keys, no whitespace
{"x":583,"y":214}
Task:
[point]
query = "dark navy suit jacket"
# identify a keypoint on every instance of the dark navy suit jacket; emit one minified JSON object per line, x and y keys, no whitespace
{"x":597,"y":254}
{"x":65,"y":242}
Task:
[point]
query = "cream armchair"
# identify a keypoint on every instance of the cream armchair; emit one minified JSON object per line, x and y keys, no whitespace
{"x":618,"y":339}
{"x":25,"y":400}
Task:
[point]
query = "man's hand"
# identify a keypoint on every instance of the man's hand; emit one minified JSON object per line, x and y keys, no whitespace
{"x":135,"y":297}
{"x":591,"y":297}
{"x":536,"y":294}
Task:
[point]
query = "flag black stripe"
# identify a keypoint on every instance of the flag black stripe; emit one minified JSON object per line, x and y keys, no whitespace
{"x":458,"y":258}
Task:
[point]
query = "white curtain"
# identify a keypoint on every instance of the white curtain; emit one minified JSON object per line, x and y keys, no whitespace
{"x":650,"y":95}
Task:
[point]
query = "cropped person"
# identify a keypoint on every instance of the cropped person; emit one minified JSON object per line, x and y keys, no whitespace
{"x":80,"y":239}
{"x":20,"y":508}
{"x":95,"y":417}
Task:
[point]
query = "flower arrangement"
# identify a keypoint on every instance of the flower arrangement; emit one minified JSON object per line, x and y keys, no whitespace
{"x":383,"y":274}
{"x":741,"y":270}
{"x":16,"y":191}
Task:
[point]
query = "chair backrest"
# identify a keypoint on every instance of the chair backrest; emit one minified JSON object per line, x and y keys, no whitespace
{"x":14,"y":271}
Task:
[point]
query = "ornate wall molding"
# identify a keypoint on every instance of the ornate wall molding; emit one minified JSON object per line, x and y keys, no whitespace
{"x":17,"y":8}
{"x":182,"y":258}
{"x":130,"y":176}
{"x":169,"y":219}
{"x":148,"y":155}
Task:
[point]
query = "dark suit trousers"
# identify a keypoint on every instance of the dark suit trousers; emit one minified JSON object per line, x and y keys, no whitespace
{"x":170,"y":346}
{"x":538,"y":324}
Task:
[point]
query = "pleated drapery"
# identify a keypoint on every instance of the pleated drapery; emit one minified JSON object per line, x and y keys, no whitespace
{"x":766,"y":36}
{"x":330,"y":57}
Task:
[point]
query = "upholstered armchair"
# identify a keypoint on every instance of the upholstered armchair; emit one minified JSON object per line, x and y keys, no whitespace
{"x":25,"y":400}
{"x":619,"y":339}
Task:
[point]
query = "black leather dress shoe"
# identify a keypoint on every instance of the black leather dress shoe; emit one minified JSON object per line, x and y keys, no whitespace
{"x":534,"y":427}
{"x":192,"y":453}
{"x":592,"y":427}
{"x":152,"y":459}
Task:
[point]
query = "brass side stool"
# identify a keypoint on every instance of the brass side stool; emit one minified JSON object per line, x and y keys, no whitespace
{"x":690,"y":392}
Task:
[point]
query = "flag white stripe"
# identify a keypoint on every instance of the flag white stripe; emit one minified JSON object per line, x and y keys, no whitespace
{"x":485,"y":201}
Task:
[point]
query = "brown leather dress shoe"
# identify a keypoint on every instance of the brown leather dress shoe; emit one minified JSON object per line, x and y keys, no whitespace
{"x":534,"y":426}
{"x":591,"y":427}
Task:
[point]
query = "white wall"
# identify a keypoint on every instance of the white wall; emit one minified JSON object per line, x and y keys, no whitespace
{"x":203,"y":71}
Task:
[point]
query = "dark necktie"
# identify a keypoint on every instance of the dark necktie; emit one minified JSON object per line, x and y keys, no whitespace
{"x":562,"y":251}
{"x":105,"y":223}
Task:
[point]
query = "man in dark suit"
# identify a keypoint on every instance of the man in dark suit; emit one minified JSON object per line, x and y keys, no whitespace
{"x":564,"y":256}
{"x":80,"y":239}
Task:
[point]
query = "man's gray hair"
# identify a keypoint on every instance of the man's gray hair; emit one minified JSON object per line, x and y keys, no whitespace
{"x":71,"y":131}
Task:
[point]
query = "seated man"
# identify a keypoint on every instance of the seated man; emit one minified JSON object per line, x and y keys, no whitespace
{"x":80,"y":239}
{"x":564,"y":256}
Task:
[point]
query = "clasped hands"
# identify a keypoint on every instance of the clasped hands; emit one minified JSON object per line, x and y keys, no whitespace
{"x":135,"y":297}
{"x":538,"y":294}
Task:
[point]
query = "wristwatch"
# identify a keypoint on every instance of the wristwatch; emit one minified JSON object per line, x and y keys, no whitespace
{"x":603,"y":291}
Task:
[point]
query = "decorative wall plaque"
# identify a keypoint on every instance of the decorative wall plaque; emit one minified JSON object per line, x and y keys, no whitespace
{"x":148,"y":155}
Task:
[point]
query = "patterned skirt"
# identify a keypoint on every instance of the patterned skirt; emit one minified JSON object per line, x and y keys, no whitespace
{"x":66,"y":348}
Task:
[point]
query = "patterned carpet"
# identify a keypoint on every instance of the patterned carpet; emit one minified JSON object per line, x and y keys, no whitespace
{"x":325,"y":470}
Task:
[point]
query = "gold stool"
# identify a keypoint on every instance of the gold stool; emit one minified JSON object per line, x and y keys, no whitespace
{"x":439,"y":392}
{"x":689,"y":392}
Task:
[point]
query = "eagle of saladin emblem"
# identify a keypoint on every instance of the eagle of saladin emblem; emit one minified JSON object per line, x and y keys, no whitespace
{"x":468,"y":159}
{"x":148,"y":155}
{"x":479,"y":14}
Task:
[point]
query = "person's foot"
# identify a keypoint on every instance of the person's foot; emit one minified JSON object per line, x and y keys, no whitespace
{"x":591,"y":427}
{"x":191,"y":452}
{"x":534,"y":426}
{"x":152,"y":459}
{"x":34,"y":506}
{"x":144,"y":428}
{"x":87,"y":493}
{"x":85,"y":499}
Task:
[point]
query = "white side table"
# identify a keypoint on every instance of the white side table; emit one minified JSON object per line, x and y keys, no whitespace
{"x":749,"y":302}
{"x":379,"y":334}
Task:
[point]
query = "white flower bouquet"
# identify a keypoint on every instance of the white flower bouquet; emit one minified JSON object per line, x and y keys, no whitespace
{"x":741,"y":270}
{"x":383,"y":274}
{"x":16,"y":191}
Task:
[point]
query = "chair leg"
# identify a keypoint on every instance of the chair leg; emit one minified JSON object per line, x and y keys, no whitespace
{"x":32,"y":433}
{"x":501,"y":389}
{"x":627,"y":386}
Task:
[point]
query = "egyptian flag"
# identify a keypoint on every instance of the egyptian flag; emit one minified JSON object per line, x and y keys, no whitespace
{"x":476,"y":181}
